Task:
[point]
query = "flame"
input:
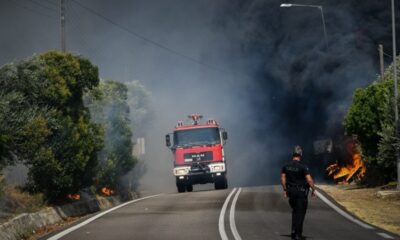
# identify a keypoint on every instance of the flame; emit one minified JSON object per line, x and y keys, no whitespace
{"x":107,"y":191}
{"x":75,"y":197}
{"x":354,"y":168}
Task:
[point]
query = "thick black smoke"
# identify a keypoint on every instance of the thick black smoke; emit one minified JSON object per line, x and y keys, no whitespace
{"x":261,"y":70}
{"x":303,"y":88}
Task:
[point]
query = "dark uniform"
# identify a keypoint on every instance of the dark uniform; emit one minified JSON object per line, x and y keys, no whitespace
{"x":297,"y":190}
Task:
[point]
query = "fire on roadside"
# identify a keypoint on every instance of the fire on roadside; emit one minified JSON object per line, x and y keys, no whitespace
{"x":107,"y":191}
{"x":352,"y":169}
{"x":74,"y":197}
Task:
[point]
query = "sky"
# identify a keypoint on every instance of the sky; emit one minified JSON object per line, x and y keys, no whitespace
{"x":262,"y":71}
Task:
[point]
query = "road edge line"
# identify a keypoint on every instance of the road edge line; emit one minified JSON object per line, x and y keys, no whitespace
{"x":385,"y":235}
{"x":343,"y":213}
{"x":232,"y":222}
{"x":87,"y":221}
{"x":221,"y":221}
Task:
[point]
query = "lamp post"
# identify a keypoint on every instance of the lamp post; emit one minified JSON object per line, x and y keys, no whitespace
{"x":287,"y":5}
{"x":396,"y":111}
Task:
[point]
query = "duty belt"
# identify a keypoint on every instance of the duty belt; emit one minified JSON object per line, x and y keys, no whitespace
{"x":297,"y":187}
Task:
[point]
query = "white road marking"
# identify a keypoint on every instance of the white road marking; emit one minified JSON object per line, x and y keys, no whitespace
{"x":221,"y":222}
{"x":71,"y":229}
{"x":232,"y":216}
{"x":385,"y":235}
{"x":343,"y":213}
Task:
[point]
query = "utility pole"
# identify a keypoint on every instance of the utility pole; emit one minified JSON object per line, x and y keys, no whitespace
{"x":62,"y":22}
{"x":396,"y":110}
{"x":382,"y":64}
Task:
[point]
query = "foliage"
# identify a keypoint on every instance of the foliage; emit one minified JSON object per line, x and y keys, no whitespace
{"x":371,"y":118}
{"x":365,"y":116}
{"x":139,"y":105}
{"x":17,"y":113}
{"x":108,"y":105}
{"x":48,"y":126}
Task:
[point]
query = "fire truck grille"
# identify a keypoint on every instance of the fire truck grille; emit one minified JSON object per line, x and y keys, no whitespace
{"x":195,"y":157}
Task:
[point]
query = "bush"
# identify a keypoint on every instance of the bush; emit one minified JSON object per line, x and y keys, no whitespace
{"x":56,"y":138}
{"x":108,"y":105}
{"x":371,"y":118}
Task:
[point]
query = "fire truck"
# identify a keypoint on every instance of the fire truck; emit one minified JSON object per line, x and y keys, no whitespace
{"x":198,"y":150}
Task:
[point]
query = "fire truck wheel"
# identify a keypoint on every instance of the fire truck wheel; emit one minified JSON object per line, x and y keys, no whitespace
{"x":221,"y":184}
{"x":181,"y":188}
{"x":225,"y":184}
{"x":218,"y":185}
{"x":189,"y":187}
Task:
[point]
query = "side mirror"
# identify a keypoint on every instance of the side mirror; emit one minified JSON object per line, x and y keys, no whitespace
{"x":224,"y":135}
{"x":168,"y":140}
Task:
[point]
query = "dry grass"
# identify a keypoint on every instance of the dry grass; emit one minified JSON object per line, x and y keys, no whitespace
{"x":14,"y":201}
{"x":43,"y":231}
{"x":363,"y":202}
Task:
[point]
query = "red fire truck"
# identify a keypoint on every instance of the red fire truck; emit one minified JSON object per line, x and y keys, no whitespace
{"x":198,"y":150}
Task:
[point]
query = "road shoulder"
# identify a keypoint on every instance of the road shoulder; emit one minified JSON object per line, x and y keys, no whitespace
{"x":366,"y":205}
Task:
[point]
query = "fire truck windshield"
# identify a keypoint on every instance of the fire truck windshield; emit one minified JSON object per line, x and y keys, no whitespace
{"x":199,"y":136}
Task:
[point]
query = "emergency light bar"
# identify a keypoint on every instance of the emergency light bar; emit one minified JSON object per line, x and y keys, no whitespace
{"x":212,"y":122}
{"x":180,"y":124}
{"x":195,"y":118}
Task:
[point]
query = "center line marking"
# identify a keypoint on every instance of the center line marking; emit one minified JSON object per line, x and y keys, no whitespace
{"x":221,"y":222}
{"x":232,"y":216}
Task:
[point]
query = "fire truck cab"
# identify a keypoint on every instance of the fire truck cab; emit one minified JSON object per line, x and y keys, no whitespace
{"x":198,"y":150}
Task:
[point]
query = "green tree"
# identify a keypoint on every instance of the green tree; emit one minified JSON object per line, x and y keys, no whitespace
{"x":60,"y":141}
{"x":371,"y":118}
{"x":18,"y":113}
{"x":108,"y":105}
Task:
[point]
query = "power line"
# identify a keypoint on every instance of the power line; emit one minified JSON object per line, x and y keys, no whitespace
{"x":52,"y":3}
{"x":31,"y":10}
{"x":75,"y":26}
{"x":43,"y":6}
{"x":387,"y":55}
{"x":159,"y":45}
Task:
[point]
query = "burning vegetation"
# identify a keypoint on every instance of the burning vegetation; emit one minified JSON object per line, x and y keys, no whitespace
{"x":352,"y":167}
{"x":107,"y":191}
{"x":74,"y":197}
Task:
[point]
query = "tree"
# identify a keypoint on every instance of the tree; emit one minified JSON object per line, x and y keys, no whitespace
{"x":60,"y":141}
{"x":365,"y":115}
{"x":108,"y":105}
{"x":139,"y":99}
{"x":371,"y":118}
{"x":18,"y":113}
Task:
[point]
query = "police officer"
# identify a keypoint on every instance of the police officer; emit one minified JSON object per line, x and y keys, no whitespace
{"x":296,"y":182}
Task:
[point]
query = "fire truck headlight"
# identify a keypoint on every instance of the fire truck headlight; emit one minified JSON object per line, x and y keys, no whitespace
{"x":181,"y":171}
{"x":217,"y":167}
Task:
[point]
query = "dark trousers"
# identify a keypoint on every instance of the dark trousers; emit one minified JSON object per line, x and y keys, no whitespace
{"x":298,"y":202}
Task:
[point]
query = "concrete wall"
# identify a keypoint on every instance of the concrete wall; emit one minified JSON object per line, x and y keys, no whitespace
{"x":25,"y":224}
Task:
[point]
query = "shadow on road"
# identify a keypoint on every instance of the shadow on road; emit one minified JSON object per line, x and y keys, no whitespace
{"x":289,"y":236}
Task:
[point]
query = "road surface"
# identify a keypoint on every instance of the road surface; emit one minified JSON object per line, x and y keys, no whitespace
{"x":239,"y":213}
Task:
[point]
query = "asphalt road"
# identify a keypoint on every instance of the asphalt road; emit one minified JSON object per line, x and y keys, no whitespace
{"x":240,"y":213}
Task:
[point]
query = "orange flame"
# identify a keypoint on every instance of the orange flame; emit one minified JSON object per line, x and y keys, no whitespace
{"x":75,"y":197}
{"x":107,"y":191}
{"x":354,"y":168}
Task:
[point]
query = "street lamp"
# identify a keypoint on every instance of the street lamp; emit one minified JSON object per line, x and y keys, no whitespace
{"x":287,"y":5}
{"x":396,"y":111}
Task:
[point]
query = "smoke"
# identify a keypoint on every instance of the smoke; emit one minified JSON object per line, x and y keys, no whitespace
{"x":260,"y":70}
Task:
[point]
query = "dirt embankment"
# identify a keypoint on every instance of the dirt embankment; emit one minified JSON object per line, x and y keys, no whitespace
{"x":365,"y":204}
